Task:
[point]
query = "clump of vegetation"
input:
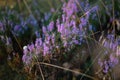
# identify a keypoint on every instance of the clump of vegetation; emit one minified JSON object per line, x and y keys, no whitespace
{"x":65,"y":40}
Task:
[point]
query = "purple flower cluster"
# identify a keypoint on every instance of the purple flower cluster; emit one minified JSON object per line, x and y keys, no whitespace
{"x":112,"y":43}
{"x":69,"y":8}
{"x":112,"y":52}
{"x":71,"y":33}
{"x":1,"y":26}
{"x":43,"y":47}
{"x":27,"y":57}
{"x":51,"y":26}
{"x":107,"y":65}
{"x":33,"y":50}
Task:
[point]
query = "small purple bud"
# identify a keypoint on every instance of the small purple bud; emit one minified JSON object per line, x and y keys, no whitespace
{"x":1,"y":26}
{"x":51,"y":26}
{"x":44,"y":29}
{"x":17,"y":28}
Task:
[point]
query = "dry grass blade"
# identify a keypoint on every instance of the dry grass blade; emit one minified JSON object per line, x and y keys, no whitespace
{"x":41,"y":72}
{"x":28,"y":8}
{"x":40,"y":69}
{"x":55,"y":66}
{"x":113,"y":8}
{"x":87,"y":12}
{"x":99,"y":19}
{"x":19,"y":4}
{"x":104,"y":6}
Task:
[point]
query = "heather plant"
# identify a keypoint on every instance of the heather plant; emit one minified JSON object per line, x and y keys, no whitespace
{"x":68,"y":39}
{"x":70,"y":35}
{"x":51,"y":44}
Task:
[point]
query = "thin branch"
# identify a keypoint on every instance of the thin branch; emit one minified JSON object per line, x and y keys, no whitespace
{"x":47,"y":64}
{"x":99,"y":19}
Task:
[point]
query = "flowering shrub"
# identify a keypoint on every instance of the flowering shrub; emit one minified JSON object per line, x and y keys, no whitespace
{"x":111,"y":55}
{"x":66,"y":33}
{"x":72,"y":35}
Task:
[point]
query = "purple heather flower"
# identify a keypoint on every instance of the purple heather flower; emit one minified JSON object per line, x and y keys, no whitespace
{"x":113,"y":60}
{"x":75,"y":31}
{"x":69,"y":8}
{"x":27,"y":59}
{"x":46,"y":49}
{"x":58,"y":25}
{"x":114,"y":46}
{"x":111,"y":37}
{"x":1,"y":26}
{"x":90,"y":27}
{"x":47,"y":38}
{"x":62,"y":28}
{"x":47,"y":16}
{"x":86,"y":7}
{"x":44,"y":29}
{"x":106,"y":67}
{"x":65,"y":43}
{"x":72,"y":23}
{"x":118,"y":41}
{"x":83,"y":21}
{"x":31,"y":47}
{"x":37,"y":34}
{"x":38,"y":45}
{"x":76,"y":42}
{"x":27,"y":56}
{"x":111,"y":44}
{"x":51,"y":26}
{"x":106,"y":44}
{"x":38,"y":42}
{"x":53,"y":39}
{"x":63,"y":18}
{"x":17,"y":28}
